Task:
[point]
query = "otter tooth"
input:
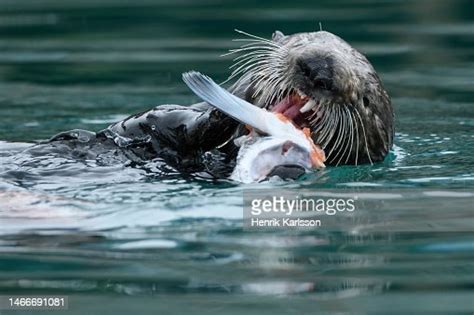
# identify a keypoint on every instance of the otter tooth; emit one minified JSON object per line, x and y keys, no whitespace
{"x":301,"y":94}
{"x":309,"y":105}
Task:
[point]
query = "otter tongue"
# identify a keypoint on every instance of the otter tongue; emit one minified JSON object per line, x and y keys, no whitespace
{"x":282,"y":106}
{"x":289,"y":106}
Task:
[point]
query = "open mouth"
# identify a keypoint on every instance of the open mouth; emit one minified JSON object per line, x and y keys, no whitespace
{"x":297,"y":107}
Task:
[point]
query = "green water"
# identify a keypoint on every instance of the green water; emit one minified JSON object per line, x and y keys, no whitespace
{"x":118,"y":240}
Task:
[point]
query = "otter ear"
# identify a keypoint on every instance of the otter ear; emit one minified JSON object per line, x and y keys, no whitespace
{"x":277,"y":36}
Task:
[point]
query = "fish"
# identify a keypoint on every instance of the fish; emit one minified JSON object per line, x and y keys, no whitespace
{"x":274,"y":141}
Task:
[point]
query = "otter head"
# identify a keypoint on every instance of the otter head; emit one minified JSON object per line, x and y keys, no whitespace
{"x":321,"y":82}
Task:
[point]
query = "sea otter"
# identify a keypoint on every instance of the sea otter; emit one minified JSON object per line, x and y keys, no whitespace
{"x":315,"y":79}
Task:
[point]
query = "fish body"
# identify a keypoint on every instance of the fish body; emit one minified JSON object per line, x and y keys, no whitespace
{"x":262,"y":157}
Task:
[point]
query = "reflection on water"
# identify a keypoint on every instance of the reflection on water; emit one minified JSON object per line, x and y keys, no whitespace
{"x":102,"y":233}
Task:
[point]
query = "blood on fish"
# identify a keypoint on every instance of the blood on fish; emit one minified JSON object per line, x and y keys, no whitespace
{"x":317,"y":154}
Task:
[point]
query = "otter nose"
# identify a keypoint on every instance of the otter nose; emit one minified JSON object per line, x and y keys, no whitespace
{"x":317,"y":70}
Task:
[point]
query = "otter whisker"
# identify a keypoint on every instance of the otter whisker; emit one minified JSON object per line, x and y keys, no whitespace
{"x":252,"y":59}
{"x":331,"y":129}
{"x":357,"y":141}
{"x":343,"y":139}
{"x":334,"y":127}
{"x":255,"y":41}
{"x":326,"y":124}
{"x":271,"y":85}
{"x":280,"y":87}
{"x":273,"y":82}
{"x":250,"y":64}
{"x":283,"y":89}
{"x":264,"y":94}
{"x":257,"y":54}
{"x":340,"y":136}
{"x":364,"y":134}
{"x":352,"y":133}
{"x":262,"y":64}
{"x":315,"y":115}
{"x":264,"y":68}
{"x":256,"y":37}
{"x":246,"y":66}
{"x":337,"y":125}
{"x":349,"y":142}
{"x":265,"y":74}
{"x":249,"y":49}
{"x":252,"y":55}
{"x":257,"y":67}
{"x":253,"y":46}
{"x":257,"y":44}
{"x":321,"y":123}
{"x":328,"y":129}
{"x":278,"y":95}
